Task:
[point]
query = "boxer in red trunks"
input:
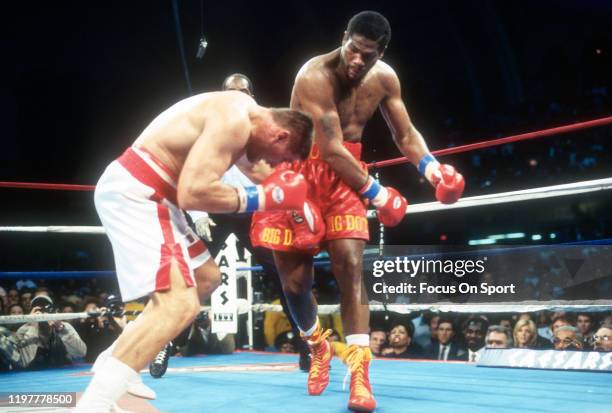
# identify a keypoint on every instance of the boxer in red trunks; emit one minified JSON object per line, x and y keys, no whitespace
{"x":342,"y":90}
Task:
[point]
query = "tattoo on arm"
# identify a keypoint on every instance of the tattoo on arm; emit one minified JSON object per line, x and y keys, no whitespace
{"x":327,"y":124}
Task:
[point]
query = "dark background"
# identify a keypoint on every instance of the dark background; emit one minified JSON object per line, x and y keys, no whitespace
{"x":82,"y":79}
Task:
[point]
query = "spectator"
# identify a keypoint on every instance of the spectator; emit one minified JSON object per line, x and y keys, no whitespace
{"x":286,"y":342}
{"x":12,"y":297}
{"x":67,"y":307}
{"x":26,"y":300}
{"x":3,"y":299}
{"x":445,"y":348}
{"x":275,"y":323}
{"x":525,"y":336}
{"x":474,"y":330}
{"x":15,"y":309}
{"x":10,"y":354}
{"x":524,"y":316}
{"x":378,"y":340}
{"x":199,"y":338}
{"x":506,"y":321}
{"x":48,"y":344}
{"x":558,"y":319}
{"x":422,"y":331}
{"x":602,"y":339}
{"x":433,"y":328}
{"x":568,"y":338}
{"x":586,"y":325}
{"x":498,"y":337}
{"x":2,"y":306}
{"x":401,"y":344}
{"x":99,"y":332}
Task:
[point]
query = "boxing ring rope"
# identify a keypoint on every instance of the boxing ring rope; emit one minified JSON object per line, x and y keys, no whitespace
{"x":66,"y":229}
{"x":326,"y":309}
{"x":440,"y":152}
{"x":501,"y":141}
{"x":53,"y":187}
{"x":468,"y":202}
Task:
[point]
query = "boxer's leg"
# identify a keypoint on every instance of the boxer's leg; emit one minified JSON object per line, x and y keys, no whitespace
{"x":165,"y":315}
{"x":296,"y":274}
{"x":346,"y":256}
{"x":208,"y":278}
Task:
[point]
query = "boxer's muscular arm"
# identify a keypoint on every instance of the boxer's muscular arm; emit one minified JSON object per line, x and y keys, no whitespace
{"x":315,"y":95}
{"x":222,"y":141}
{"x":406,"y":136}
{"x":257,"y":171}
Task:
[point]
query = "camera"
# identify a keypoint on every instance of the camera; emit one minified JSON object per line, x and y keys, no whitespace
{"x":45,"y":304}
{"x":114,"y":306}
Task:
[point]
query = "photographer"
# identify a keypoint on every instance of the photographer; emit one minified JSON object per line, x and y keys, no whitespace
{"x":199,"y":339}
{"x":100,"y":331}
{"x":48,"y":344}
{"x":10,"y":351}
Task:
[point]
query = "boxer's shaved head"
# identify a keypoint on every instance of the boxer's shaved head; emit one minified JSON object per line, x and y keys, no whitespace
{"x":239,"y":82}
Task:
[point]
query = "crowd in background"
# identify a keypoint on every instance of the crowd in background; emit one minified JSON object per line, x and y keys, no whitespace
{"x":423,"y":335}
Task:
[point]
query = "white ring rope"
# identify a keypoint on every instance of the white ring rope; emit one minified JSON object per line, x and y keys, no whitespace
{"x":474,"y":201}
{"x":243,"y":307}
{"x":516,"y":307}
{"x":513,"y":196}
{"x":66,"y":229}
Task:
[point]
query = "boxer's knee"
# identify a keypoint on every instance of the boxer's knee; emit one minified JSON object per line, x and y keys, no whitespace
{"x":185,"y":310}
{"x":296,"y":286}
{"x":347,"y":266}
{"x":208,"y":278}
{"x":175,"y":302}
{"x":295,"y":271}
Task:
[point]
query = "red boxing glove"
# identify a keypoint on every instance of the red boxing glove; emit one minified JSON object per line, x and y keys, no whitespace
{"x":308,"y":226}
{"x":283,"y":189}
{"x":392,"y":212}
{"x":449,"y":184}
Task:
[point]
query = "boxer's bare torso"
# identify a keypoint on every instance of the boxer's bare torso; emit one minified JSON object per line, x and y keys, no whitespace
{"x":355,"y":103}
{"x":171,"y":136}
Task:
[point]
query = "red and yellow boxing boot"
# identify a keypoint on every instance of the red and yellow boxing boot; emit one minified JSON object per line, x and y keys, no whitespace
{"x":321,"y":350}
{"x":357,"y":359}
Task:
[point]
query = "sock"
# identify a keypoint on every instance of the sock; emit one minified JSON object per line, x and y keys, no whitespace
{"x":312,"y":329}
{"x":362,"y":340}
{"x":102,"y":357}
{"x":108,"y":384}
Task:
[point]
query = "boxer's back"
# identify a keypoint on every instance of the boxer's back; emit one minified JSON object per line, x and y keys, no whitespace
{"x":171,"y":134}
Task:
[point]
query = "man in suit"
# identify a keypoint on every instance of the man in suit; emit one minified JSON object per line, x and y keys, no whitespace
{"x":446,"y":348}
{"x":474,"y":330}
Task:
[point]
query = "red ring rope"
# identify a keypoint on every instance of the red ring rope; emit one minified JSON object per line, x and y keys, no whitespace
{"x":441,"y":152}
{"x":495,"y":142}
{"x":58,"y":187}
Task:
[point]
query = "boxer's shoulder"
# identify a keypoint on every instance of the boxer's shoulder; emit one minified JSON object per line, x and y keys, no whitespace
{"x":385,"y":75}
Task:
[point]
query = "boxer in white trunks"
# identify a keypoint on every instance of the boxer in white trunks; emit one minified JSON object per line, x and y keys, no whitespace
{"x":176,"y":163}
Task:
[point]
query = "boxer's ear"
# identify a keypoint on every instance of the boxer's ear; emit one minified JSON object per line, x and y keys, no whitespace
{"x":282,"y":135}
{"x":344,"y":37}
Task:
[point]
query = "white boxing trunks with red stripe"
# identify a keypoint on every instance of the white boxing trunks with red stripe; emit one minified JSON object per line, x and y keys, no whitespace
{"x":136,"y":201}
